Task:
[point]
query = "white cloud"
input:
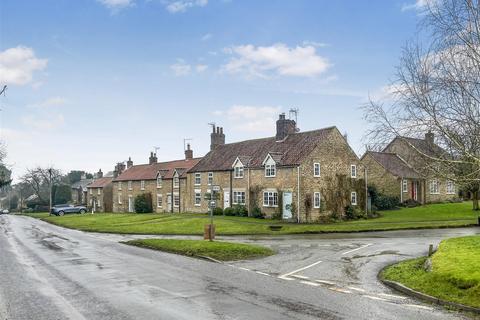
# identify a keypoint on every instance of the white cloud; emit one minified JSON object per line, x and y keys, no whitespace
{"x":116,"y":4}
{"x":181,"y":68}
{"x":44,"y":122}
{"x":315,"y":44}
{"x":279,"y":59}
{"x":201,"y":67}
{"x":251,"y":118}
{"x":52,"y":102}
{"x":418,"y":5}
{"x":18,"y":64}
{"x":183,"y":5}
{"x":206,"y":36}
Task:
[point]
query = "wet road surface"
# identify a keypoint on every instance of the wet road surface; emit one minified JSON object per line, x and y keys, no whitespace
{"x":48,"y":272}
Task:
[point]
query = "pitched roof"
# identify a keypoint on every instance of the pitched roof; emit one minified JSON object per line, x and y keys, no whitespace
{"x":149,"y":171}
{"x":100,"y":182}
{"x":394,"y":164}
{"x":422,"y":145}
{"x":290,"y":151}
{"x":81,"y":184}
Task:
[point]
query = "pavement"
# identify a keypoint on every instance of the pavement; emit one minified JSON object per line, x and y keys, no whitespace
{"x":49,"y":272}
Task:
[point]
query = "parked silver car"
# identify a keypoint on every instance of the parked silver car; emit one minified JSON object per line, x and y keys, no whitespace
{"x":61,"y":209}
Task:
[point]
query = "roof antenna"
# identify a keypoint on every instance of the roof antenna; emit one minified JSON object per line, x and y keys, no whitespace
{"x":4,"y":90}
{"x":293,"y":112}
{"x":156,"y":149}
{"x":185,"y":143}
{"x":212,"y":124}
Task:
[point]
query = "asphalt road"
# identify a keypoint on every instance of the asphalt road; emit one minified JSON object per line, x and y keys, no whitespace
{"x":48,"y":272}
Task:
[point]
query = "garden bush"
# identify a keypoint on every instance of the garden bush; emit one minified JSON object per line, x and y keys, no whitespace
{"x":230,"y":211}
{"x":217,"y":211}
{"x":352,"y":212}
{"x":410,"y":203}
{"x":257,"y":213}
{"x":143,"y":203}
{"x":240,"y":211}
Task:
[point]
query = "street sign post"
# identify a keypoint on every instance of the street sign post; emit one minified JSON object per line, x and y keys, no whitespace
{"x":212,"y":198}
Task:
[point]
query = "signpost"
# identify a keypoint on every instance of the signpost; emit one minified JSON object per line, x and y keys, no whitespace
{"x":212,"y":197}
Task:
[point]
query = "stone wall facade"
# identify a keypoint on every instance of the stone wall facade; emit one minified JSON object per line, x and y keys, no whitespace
{"x":102,"y":197}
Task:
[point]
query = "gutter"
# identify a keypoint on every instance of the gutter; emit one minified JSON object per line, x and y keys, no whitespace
{"x":298,"y":194}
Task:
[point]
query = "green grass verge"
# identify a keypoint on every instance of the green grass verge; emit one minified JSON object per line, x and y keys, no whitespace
{"x":430,"y":216}
{"x":223,"y":251}
{"x":455,"y":273}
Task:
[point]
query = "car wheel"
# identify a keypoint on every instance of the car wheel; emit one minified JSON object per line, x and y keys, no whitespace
{"x":82,"y":211}
{"x":61,"y":213}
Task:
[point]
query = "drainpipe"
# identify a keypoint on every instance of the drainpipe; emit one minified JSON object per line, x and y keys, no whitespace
{"x":172,"y":199}
{"x":179,"y":194}
{"x":401,"y":190}
{"x":248,"y":190}
{"x":366,"y":191}
{"x":298,"y":194}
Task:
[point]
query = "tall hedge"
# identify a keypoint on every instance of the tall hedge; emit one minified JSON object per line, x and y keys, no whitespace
{"x":143,"y":203}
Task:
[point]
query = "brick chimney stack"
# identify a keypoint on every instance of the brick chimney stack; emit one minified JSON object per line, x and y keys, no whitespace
{"x":188,"y":153}
{"x":217,"y":137}
{"x":430,"y":138}
{"x":99,"y":174}
{"x":129,"y":163}
{"x":153,"y":158}
{"x":284,"y":127}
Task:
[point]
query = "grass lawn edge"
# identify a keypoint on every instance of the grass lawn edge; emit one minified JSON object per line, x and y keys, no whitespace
{"x":400,"y":287}
{"x":251,"y":251}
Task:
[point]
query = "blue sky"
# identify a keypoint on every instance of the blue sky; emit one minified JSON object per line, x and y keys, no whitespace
{"x":92,"y":82}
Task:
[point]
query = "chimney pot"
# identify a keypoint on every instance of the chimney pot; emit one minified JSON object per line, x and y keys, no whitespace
{"x":217,"y":138}
{"x":285,"y":127}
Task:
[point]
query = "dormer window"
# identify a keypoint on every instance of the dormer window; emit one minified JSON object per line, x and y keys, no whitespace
{"x":239,"y":172}
{"x":270,"y":170}
{"x":159,"y":181}
{"x":142,"y":185}
{"x":176,"y":181}
{"x":238,"y":169}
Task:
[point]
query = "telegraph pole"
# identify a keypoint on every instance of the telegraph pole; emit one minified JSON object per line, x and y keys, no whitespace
{"x":50,"y":185}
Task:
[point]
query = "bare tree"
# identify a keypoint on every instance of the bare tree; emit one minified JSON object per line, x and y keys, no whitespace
{"x":41,"y":181}
{"x":437,"y":89}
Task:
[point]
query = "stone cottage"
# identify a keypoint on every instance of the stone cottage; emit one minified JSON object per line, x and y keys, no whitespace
{"x":393,"y":176}
{"x":100,"y":193}
{"x":164,"y":181}
{"x":79,"y":190}
{"x":418,"y":153}
{"x":315,"y":173}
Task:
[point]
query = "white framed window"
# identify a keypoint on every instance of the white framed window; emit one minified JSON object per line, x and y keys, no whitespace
{"x":353,"y":198}
{"x":91,"y":191}
{"x":159,"y":181}
{"x":316,"y":169}
{"x":198,"y":198}
{"x":142,"y":185}
{"x":99,"y":202}
{"x":433,"y":186}
{"x":159,"y":201}
{"x":238,"y":172}
{"x":129,"y":185}
{"x":404,"y":185}
{"x":176,"y":182}
{"x":450,"y":187}
{"x":270,"y":170}
{"x":176,"y":200}
{"x":239,"y":197}
{"x":210,"y":178}
{"x":99,"y":191}
{"x":270,"y":199}
{"x":119,"y":198}
{"x":120,"y":185}
{"x":316,"y":200}
{"x":198,"y":178}
{"x":353,"y":171}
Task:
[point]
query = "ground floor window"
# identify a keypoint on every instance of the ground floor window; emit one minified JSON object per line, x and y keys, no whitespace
{"x":198,"y":198}
{"x":450,"y":187}
{"x":316,"y":200}
{"x":405,"y":185}
{"x":238,"y":197}
{"x":119,"y":198}
{"x":159,"y":201}
{"x":99,"y":203}
{"x":270,"y":199}
{"x":176,"y":200}
{"x":353,"y":198}
{"x":434,"y":186}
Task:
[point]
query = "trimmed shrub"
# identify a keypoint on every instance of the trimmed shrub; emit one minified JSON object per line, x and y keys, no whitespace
{"x":257,"y":213}
{"x":384,"y":202}
{"x":143,"y":203}
{"x":240,"y":211}
{"x":410,"y":203}
{"x":352,"y":213}
{"x":229,"y":211}
{"x":217,"y":211}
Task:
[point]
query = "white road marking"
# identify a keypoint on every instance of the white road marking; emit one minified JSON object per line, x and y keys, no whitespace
{"x":375,"y":298}
{"x":298,"y":270}
{"x":246,"y":269}
{"x":339,"y":290}
{"x":325,"y":282}
{"x":310,"y":283}
{"x":356,"y":289}
{"x":285,"y":278}
{"x":391,"y":296}
{"x":262,"y":273}
{"x":417,"y":306}
{"x":300,"y":277}
{"x":353,"y":250}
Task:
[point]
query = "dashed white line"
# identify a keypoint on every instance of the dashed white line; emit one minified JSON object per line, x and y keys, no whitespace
{"x":300,"y":277}
{"x":391,"y":296}
{"x":262,"y":273}
{"x":298,"y":270}
{"x":339,"y":290}
{"x":356,"y":289}
{"x":359,"y":248}
{"x":417,"y":306}
{"x":375,"y":298}
{"x":310,"y":283}
{"x":246,"y":269}
{"x":325,"y":282}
